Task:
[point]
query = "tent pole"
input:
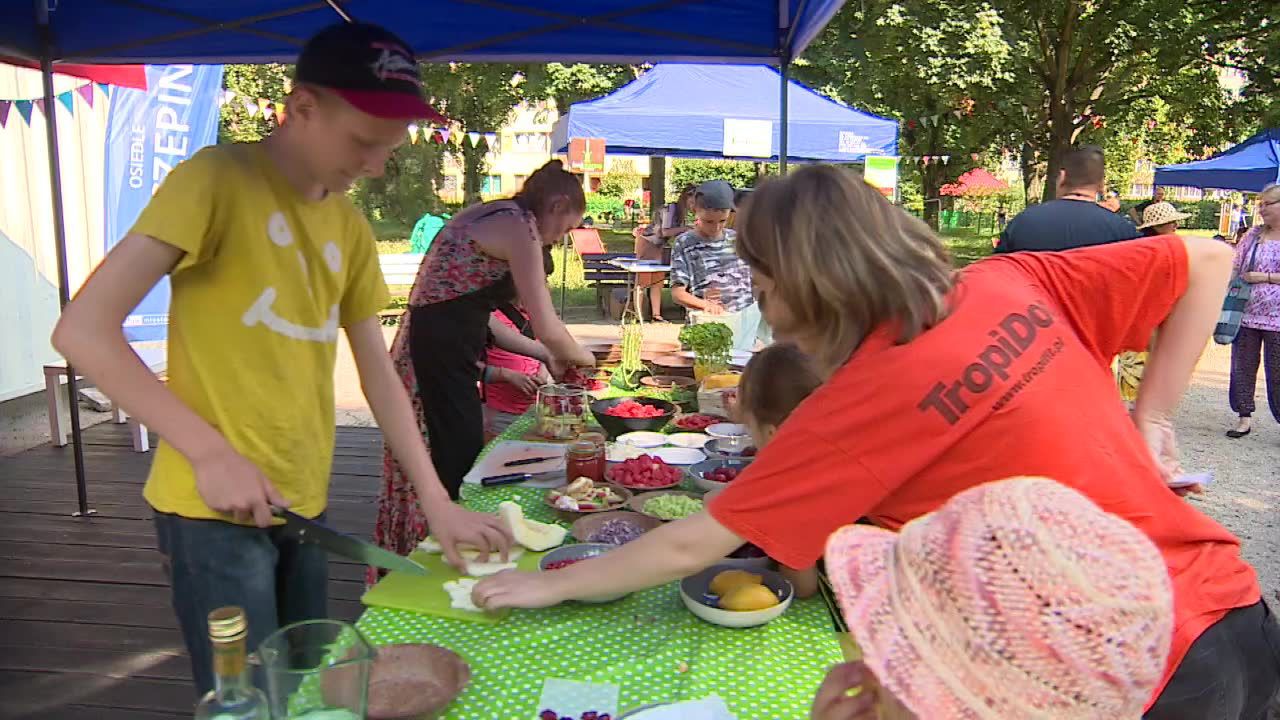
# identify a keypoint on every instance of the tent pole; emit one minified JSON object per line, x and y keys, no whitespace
{"x":782,"y":114}
{"x":60,"y":242}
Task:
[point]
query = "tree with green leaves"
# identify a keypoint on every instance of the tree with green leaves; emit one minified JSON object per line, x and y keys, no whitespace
{"x":251,"y":81}
{"x":1083,"y":65}
{"x":918,"y":61}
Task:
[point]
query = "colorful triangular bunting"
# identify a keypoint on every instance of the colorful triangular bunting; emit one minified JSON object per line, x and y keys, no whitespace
{"x":444,"y":134}
{"x":413,"y":133}
{"x":68,"y":100}
{"x":24,"y":109}
{"x":491,"y":139}
{"x":250,"y":107}
{"x":474,"y":138}
{"x":86,"y":93}
{"x":4,"y":112}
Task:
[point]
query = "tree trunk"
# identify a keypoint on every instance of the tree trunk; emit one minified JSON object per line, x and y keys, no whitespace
{"x":931,"y":183}
{"x":472,"y":170}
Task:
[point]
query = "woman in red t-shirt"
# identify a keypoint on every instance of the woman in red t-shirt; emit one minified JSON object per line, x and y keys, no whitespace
{"x":937,"y":381}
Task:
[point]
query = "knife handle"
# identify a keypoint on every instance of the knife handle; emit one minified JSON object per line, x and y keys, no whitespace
{"x":505,"y":479}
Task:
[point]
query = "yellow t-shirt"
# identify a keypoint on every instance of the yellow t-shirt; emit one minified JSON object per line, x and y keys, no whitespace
{"x":267,"y":279}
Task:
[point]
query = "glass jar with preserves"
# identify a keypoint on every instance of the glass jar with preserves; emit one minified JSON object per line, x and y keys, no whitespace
{"x":584,"y":459}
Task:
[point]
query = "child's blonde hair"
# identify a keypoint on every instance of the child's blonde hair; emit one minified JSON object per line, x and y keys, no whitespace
{"x":774,"y":384}
{"x":844,"y":260}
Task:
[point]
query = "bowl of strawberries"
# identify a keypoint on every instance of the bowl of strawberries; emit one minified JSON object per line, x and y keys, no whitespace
{"x":644,"y":472}
{"x":627,"y":414}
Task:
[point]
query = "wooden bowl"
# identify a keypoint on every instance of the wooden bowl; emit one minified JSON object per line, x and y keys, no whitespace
{"x":584,"y":526}
{"x":669,"y":382}
{"x":659,"y":348}
{"x":637,"y":503}
{"x":573,"y":515}
{"x":673,"y":365}
{"x":414,"y":681}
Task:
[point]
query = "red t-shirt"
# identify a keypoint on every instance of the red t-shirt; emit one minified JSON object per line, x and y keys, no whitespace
{"x":1014,"y":381}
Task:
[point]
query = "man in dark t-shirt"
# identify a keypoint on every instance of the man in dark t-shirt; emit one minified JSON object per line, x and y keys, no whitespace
{"x":1074,"y":219}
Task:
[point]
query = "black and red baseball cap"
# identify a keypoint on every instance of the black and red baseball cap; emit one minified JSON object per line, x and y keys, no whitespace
{"x":370,"y":68}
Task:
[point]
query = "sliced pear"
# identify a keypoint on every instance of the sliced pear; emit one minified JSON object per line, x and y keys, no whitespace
{"x":534,"y":535}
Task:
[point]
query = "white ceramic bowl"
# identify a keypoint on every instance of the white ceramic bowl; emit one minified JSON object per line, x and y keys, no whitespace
{"x":688,"y":440}
{"x":732,"y":436}
{"x":643,"y":439}
{"x":679,"y":455}
{"x":695,"y":587}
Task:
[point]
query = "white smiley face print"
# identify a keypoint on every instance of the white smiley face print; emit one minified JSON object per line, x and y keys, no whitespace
{"x":262,"y":310}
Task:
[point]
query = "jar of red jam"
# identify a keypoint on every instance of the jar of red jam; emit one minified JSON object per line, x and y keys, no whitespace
{"x":584,"y":459}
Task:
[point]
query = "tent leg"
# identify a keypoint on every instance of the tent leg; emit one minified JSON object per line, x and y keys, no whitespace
{"x":60,"y":244}
{"x":782,"y":115}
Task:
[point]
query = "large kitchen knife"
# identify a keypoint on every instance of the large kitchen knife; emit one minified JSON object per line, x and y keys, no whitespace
{"x":337,"y":543}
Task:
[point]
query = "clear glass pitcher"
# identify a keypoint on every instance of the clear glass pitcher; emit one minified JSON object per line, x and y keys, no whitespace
{"x":317,"y":670}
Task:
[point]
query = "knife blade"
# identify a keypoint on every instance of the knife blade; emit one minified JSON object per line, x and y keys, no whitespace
{"x":336,"y":543}
{"x":529,"y":461}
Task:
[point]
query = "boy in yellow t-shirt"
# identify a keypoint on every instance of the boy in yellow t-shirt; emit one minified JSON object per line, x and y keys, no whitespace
{"x":267,"y":260}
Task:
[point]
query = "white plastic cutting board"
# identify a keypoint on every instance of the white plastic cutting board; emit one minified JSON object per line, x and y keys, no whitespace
{"x":492,"y":463}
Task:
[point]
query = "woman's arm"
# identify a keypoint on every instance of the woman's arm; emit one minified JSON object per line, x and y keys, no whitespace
{"x":1183,"y":335}
{"x":671,"y":552}
{"x":511,"y":239}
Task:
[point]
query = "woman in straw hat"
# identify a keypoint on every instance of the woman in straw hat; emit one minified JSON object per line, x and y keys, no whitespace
{"x":1258,"y":263}
{"x":936,"y":381}
{"x":1159,"y":218}
{"x":1016,"y":599}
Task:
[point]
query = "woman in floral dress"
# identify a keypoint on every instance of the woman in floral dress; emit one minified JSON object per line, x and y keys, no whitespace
{"x":1258,"y":263}
{"x":486,"y":255}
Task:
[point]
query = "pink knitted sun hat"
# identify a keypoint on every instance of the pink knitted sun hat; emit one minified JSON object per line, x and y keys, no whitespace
{"x":1016,"y":599}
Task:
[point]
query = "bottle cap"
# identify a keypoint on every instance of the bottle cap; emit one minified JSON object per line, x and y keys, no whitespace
{"x":227,"y":624}
{"x":582,"y":447}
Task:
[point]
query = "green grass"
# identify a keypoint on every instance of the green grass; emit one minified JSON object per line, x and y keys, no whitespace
{"x":966,"y":245}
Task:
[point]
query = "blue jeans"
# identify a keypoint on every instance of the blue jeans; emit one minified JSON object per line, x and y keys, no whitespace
{"x":210,"y":564}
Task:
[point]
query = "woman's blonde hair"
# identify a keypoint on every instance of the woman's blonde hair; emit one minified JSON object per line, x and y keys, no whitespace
{"x":844,"y":260}
{"x":1270,"y":193}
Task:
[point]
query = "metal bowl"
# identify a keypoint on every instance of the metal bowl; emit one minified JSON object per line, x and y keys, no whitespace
{"x":698,"y":472}
{"x":581,"y":551}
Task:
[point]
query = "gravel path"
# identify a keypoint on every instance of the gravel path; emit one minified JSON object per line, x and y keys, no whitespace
{"x":1245,"y":495}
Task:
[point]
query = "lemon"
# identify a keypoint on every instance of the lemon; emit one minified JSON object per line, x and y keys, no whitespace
{"x":748,"y":597}
{"x":727,"y":580}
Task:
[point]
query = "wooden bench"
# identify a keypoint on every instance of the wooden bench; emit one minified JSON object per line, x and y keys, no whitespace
{"x":401,"y":268}
{"x":55,"y":375}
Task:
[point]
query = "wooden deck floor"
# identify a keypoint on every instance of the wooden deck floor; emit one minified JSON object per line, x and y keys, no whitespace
{"x":86,"y":630}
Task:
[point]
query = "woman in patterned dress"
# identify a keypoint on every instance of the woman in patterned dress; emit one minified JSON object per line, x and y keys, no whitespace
{"x":1260,"y":329}
{"x":486,"y":255}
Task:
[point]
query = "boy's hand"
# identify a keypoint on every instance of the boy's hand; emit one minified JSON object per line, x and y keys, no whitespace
{"x":455,"y":528}
{"x":229,"y":483}
{"x":833,"y":701}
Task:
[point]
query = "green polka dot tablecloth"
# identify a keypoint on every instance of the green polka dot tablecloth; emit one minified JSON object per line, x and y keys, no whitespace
{"x":648,"y":644}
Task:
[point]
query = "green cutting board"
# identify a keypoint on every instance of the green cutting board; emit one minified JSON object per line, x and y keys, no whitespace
{"x":425,"y":593}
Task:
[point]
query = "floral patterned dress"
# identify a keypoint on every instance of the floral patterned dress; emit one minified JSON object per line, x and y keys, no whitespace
{"x":455,"y":274}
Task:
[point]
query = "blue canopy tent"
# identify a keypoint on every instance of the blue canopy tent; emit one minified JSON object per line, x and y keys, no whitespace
{"x":1248,"y":167}
{"x":682,"y":110}
{"x":252,"y":31}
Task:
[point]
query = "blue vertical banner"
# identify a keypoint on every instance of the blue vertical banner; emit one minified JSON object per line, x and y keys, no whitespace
{"x":148,"y":133}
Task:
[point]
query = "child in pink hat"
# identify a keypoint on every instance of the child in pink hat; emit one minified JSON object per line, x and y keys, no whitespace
{"x":1016,"y":599}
